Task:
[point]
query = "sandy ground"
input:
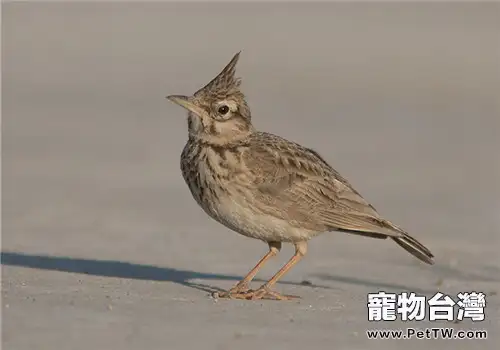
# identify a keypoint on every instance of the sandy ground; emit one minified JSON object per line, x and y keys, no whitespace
{"x":103,"y":246}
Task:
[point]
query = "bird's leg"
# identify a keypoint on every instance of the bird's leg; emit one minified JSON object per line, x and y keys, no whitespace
{"x":265,"y":291}
{"x":242,"y":287}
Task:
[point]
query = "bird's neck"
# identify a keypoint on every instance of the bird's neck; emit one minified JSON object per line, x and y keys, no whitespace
{"x":224,"y":139}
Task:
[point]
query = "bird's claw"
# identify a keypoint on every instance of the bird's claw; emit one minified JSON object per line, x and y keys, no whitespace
{"x":240,"y":288}
{"x":262,"y":293}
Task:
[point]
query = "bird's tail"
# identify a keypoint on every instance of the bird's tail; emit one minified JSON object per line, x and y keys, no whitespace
{"x":412,"y":246}
{"x":385,"y":229}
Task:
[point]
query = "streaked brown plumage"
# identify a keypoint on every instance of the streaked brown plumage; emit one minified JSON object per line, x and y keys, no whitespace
{"x":265,"y":187}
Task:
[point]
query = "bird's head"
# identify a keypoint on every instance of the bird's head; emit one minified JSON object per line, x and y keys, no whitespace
{"x":218,"y":113}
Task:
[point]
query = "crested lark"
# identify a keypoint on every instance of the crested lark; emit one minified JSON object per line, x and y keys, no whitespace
{"x":265,"y":187}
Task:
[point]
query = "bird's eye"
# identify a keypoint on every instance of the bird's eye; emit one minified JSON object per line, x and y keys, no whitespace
{"x":223,"y":109}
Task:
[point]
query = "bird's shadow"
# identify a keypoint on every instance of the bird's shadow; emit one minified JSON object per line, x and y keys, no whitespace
{"x":120,"y":269}
{"x":113,"y":268}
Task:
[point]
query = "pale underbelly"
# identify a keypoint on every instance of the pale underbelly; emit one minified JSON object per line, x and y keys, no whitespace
{"x":239,"y":215}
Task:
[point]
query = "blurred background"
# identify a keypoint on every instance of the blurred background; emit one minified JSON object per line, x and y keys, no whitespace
{"x":402,"y":99}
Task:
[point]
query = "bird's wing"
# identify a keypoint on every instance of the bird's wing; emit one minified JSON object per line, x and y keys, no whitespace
{"x":295,"y":183}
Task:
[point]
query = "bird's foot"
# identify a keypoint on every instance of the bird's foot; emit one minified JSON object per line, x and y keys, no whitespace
{"x":263,"y":293}
{"x":239,"y":289}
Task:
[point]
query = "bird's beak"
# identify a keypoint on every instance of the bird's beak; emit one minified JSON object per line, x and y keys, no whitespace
{"x":186,"y":102}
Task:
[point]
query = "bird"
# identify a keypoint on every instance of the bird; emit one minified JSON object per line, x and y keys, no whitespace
{"x":266,"y":187}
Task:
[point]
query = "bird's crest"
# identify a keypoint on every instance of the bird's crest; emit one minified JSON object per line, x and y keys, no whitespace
{"x":224,"y":83}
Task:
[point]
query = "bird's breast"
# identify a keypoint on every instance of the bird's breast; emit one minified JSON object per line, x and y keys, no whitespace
{"x":212,"y":173}
{"x":222,"y":186}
